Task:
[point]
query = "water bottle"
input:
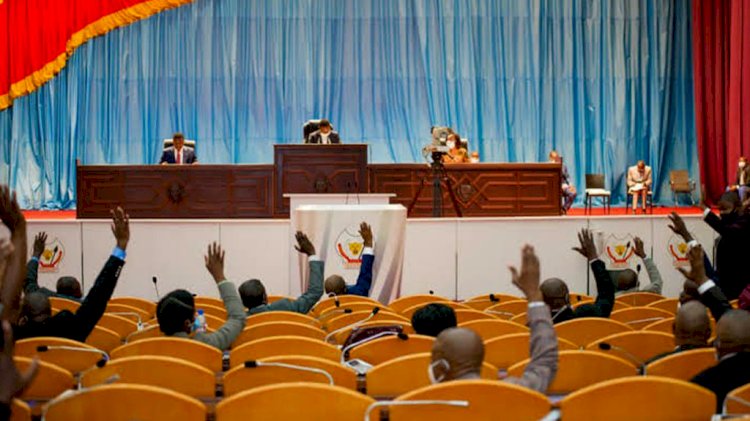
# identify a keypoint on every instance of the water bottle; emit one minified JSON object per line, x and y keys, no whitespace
{"x":199,"y":325}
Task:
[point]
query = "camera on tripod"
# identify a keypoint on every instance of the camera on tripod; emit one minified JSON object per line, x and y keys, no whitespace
{"x":438,"y":148}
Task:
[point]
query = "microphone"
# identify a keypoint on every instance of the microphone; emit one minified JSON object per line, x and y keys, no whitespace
{"x":99,"y":364}
{"x":431,"y":292}
{"x":156,"y":326}
{"x":376,"y":405}
{"x":401,"y":335}
{"x":494,"y":299}
{"x":256,"y":364}
{"x":156,"y":288}
{"x":737,"y":399}
{"x":353,"y":325}
{"x":334,"y":312}
{"x":125,"y":313}
{"x":604,"y":346}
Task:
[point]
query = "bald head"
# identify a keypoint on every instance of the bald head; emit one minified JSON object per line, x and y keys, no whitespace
{"x":692,"y":325}
{"x":555,"y":293}
{"x":733,"y":332}
{"x":463,"y":351}
{"x":36,"y":308}
{"x":335,"y":284}
{"x":627,"y":279}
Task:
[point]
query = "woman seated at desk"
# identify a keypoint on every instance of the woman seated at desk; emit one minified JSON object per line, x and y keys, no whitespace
{"x":458,"y":153}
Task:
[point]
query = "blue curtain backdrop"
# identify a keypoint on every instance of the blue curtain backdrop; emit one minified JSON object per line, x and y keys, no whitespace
{"x":604,"y":82}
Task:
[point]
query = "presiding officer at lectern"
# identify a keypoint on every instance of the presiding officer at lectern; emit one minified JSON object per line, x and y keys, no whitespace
{"x":324,"y":135}
{"x":178,"y":153}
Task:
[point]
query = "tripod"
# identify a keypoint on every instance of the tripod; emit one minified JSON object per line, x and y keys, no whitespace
{"x":438,"y":175}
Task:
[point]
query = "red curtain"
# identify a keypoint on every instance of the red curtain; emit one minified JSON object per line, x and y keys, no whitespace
{"x":721,"y":59}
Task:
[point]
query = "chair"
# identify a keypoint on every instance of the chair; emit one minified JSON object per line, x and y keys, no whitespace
{"x":586,"y":330}
{"x":489,"y":329}
{"x":327,"y":303}
{"x":132,"y":313}
{"x":400,"y":304}
{"x":640,"y":317}
{"x":481,"y":302}
{"x":735,"y":303}
{"x":595,"y":188}
{"x":294,"y":401}
{"x":281,"y":316}
{"x":118,"y":324}
{"x":185,"y":349}
{"x":578,"y":369}
{"x":680,"y":183}
{"x":683,"y":365}
{"x":143,"y":304}
{"x":213,"y":323}
{"x":468,"y":315}
{"x":639,"y":398}
{"x":19,"y":411}
{"x":64,"y":304}
{"x":241,"y":378}
{"x":488,"y":400}
{"x":737,"y":400}
{"x":387,"y":348}
{"x":334,"y":312}
{"x":344,"y":320}
{"x":146,"y":333}
{"x":104,"y":339}
{"x":667,"y":304}
{"x":409,"y":312}
{"x":202,"y":300}
{"x":280,"y":346}
{"x":49,"y":382}
{"x":405,"y":374}
{"x":520,"y":319}
{"x":343,"y":334}
{"x":507,"y":350}
{"x":211,"y":310}
{"x":636,"y":347}
{"x":170,"y":373}
{"x":618,"y":305}
{"x":663,"y":325}
{"x":576,"y":298}
{"x":649,"y":200}
{"x":508,"y":309}
{"x":168,"y":143}
{"x":310,"y":127}
{"x":273,"y":298}
{"x":124,"y":402}
{"x":267,"y":330}
{"x":639,"y":299}
{"x":69,"y":359}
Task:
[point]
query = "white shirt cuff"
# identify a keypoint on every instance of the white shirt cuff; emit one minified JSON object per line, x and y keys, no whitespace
{"x":314,"y":258}
{"x":534,"y":304}
{"x":706,"y":212}
{"x":693,"y":243}
{"x":368,"y":250}
{"x":706,"y":286}
{"x":222,"y":282}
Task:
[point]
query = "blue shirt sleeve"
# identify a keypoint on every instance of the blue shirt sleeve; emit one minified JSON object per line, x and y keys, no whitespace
{"x":119,"y":253}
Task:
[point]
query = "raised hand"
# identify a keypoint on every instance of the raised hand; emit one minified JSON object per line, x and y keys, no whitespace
{"x":587,"y":248}
{"x":366,"y":232}
{"x":702,"y":202}
{"x":678,"y":227}
{"x":214,"y":259}
{"x":527,"y":279}
{"x":121,"y":227}
{"x":304,"y":245}
{"x":697,"y":273}
{"x":12,"y":382}
{"x":10,"y":212}
{"x":39,"y":242}
{"x":639,"y":251}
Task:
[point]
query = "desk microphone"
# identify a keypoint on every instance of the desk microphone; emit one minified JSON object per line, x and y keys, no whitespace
{"x":256,"y":364}
{"x":99,"y":364}
{"x":353,"y":325}
{"x":494,"y":299}
{"x":376,"y":405}
{"x":156,"y":288}
{"x":344,"y":352}
{"x":130,"y":314}
{"x":605,"y":346}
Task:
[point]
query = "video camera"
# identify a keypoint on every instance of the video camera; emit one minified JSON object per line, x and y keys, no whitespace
{"x":438,"y":146}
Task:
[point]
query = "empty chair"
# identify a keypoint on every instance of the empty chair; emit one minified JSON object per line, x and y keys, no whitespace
{"x":387,"y":348}
{"x":586,"y":330}
{"x":334,"y":312}
{"x":636,"y":347}
{"x":639,"y":299}
{"x":145,"y":333}
{"x":667,"y":304}
{"x":481,"y":302}
{"x":681,"y":183}
{"x":327,"y":303}
{"x":639,"y":398}
{"x":104,"y":339}
{"x":49,"y":382}
{"x":294,"y":401}
{"x":520,"y":319}
{"x":143,"y":304}
{"x":64,"y":304}
{"x":488,"y":329}
{"x":345,"y":320}
{"x":504,"y":351}
{"x":683,"y":365}
{"x":283,"y":345}
{"x":170,"y":373}
{"x":219,"y":313}
{"x":19,"y":411}
{"x":267,"y":330}
{"x":663,"y":325}
{"x":132,"y":313}
{"x":76,"y":357}
{"x":202,"y":300}
{"x":508,"y":309}
{"x":578,"y":369}
{"x":639,"y":317}
{"x":405,"y":374}
{"x":264,"y":372}
{"x":738,"y":401}
{"x":401,"y":304}
{"x":343,"y":334}
{"x":488,"y":400}
{"x":281,"y":316}
{"x":125,"y":402}
{"x":118,"y":324}
{"x":595,"y":187}
{"x":186,"y":349}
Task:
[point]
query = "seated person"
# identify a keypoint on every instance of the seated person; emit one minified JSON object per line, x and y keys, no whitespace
{"x":568,"y":189}
{"x":432,"y":319}
{"x":557,"y":296}
{"x":639,"y":184}
{"x":742,"y":185}
{"x":178,"y":153}
{"x":699,"y":287}
{"x":458,"y":353}
{"x":175,"y":312}
{"x":692,"y":329}
{"x":67,"y":287}
{"x":733,"y":349}
{"x":36,"y":313}
{"x":254,"y":296}
{"x":335,"y":284}
{"x":324,"y":135}
{"x":458,"y":153}
{"x":627,"y":280}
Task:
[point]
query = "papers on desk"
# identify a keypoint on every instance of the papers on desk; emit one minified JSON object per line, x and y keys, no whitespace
{"x":638,"y":187}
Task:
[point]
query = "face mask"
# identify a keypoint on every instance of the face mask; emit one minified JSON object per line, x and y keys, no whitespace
{"x":431,"y":371}
{"x":742,"y":164}
{"x":451,"y":144}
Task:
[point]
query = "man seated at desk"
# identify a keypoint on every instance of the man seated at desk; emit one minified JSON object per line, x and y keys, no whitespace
{"x":178,"y":153}
{"x":324,"y":135}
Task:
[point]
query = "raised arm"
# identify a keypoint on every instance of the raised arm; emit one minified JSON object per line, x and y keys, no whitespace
{"x":228,"y":332}
{"x":709,"y":294}
{"x":307,"y":300}
{"x":364,"y":280}
{"x":15,"y":271}
{"x":605,"y":287}
{"x":31,"y":283}
{"x":654,"y":276}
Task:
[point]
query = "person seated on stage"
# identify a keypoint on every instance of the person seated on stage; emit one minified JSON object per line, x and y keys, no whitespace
{"x":36,"y":313}
{"x":568,"y":189}
{"x":458,"y":153}
{"x":639,"y":184}
{"x":627,"y":280}
{"x":742,"y":186}
{"x":432,"y":319}
{"x":324,"y":135}
{"x":335,"y":284}
{"x":254,"y":296}
{"x":178,"y":153}
{"x":733,"y":350}
{"x":67,"y":287}
{"x":458,"y":353}
{"x":557,"y":296}
{"x":691,"y":328}
{"x":175,"y":312}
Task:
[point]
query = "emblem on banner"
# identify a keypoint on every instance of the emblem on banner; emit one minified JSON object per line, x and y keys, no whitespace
{"x":618,"y":251}
{"x":349,"y":246}
{"x":678,"y":249}
{"x":51,"y":257}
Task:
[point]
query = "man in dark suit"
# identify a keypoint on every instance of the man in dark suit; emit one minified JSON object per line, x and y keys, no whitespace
{"x":324,"y":135}
{"x":178,"y":153}
{"x":335,"y":284}
{"x":67,"y":287}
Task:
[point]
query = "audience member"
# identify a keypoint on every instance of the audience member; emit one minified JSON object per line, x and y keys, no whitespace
{"x":639,"y":184}
{"x":692,"y":329}
{"x":176,"y":311}
{"x":569,"y":192}
{"x":699,"y":286}
{"x":12,"y":382}
{"x":336,"y":285}
{"x":432,"y":319}
{"x":14,"y":250}
{"x":254,"y":296}
{"x":36,"y":313}
{"x":742,"y":186}
{"x":178,"y":153}
{"x":627,"y":280}
{"x":557,"y":296}
{"x":733,"y":350}
{"x":67,"y":287}
{"x":324,"y":135}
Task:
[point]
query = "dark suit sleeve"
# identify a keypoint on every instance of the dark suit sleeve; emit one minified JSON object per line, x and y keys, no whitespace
{"x":716,"y":302}
{"x":164,"y":157}
{"x":334,"y":138}
{"x":364,"y":280}
{"x":605,"y":298}
{"x":193,"y":157}
{"x":714,"y":222}
{"x":313,"y":138}
{"x":31,"y":284}
{"x":95,"y":304}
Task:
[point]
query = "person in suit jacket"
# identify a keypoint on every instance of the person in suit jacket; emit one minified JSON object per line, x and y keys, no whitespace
{"x":639,"y":183}
{"x":324,"y":135}
{"x":569,"y":192}
{"x":691,"y":328}
{"x":743,"y":178}
{"x":335,"y":284}
{"x":67,"y":287}
{"x":178,"y":153}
